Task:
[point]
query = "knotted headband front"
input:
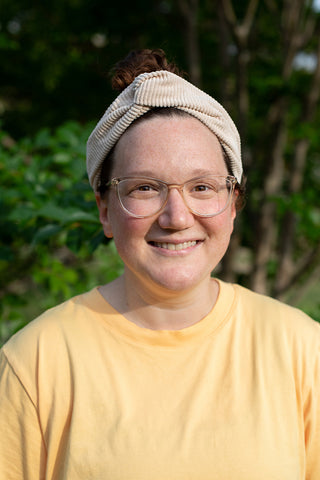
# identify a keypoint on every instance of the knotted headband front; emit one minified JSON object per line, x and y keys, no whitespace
{"x":160,"y":89}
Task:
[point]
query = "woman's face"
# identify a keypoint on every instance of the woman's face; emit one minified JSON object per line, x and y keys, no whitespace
{"x":173,"y":250}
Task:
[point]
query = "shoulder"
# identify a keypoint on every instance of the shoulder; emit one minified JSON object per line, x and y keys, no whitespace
{"x":56,"y":319}
{"x":259,"y":305}
{"x":55,"y":336}
{"x":270,"y":323}
{"x":271,"y":319}
{"x":277,"y":336}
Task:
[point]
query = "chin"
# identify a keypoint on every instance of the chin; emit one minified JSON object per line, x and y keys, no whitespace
{"x":177,"y":283}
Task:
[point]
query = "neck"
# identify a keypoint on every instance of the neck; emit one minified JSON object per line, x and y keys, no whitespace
{"x":159,"y":309}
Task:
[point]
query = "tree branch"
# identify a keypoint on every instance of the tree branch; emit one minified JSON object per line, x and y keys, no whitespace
{"x":229,"y":13}
{"x":307,"y":262}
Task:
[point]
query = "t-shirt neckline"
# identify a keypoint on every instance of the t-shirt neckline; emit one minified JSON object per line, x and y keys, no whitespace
{"x":119,"y":325}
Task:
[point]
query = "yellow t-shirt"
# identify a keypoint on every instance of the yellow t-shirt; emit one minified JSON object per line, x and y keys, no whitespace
{"x":87,"y":395}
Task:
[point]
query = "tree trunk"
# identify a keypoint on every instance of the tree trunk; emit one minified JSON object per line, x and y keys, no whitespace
{"x":189,"y":11}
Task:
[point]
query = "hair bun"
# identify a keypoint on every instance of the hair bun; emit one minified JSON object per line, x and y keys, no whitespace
{"x":137,"y":62}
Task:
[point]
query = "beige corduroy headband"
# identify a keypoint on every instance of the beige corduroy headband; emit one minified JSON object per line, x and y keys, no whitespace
{"x":160,"y":89}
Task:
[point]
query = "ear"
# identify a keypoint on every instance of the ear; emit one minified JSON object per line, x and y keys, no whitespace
{"x":234,"y":204}
{"x":103,"y":215}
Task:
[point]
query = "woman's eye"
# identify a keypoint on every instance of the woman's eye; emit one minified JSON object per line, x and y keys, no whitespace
{"x":203,"y":188}
{"x":145,"y":188}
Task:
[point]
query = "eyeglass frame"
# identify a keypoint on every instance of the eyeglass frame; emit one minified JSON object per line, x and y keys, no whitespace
{"x":114,"y":182}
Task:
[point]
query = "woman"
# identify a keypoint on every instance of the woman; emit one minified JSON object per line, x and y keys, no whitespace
{"x":165,"y":373}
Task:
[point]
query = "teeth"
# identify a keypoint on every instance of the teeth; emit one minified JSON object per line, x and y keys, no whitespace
{"x":174,"y":246}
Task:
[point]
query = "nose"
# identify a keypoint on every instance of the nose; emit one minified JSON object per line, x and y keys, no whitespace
{"x":175,"y":214}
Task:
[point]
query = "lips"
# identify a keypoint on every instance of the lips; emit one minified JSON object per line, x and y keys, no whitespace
{"x":174,"y":246}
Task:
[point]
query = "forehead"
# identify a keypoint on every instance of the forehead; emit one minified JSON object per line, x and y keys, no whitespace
{"x":161,"y":145}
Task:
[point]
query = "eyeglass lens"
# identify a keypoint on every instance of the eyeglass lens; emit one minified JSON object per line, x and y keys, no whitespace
{"x":206,"y":196}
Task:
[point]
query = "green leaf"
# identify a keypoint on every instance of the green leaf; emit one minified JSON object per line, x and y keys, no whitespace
{"x":66,"y":215}
{"x":21,"y":214}
{"x":62,"y":158}
{"x":45,"y":232}
{"x":80,"y":216}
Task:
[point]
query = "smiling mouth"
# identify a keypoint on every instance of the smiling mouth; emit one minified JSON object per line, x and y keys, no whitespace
{"x":174,"y":246}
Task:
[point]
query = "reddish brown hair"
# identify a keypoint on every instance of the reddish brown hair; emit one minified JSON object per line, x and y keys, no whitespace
{"x":137,"y":62}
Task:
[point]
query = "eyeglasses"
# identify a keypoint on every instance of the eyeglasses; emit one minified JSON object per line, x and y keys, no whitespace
{"x":143,"y":197}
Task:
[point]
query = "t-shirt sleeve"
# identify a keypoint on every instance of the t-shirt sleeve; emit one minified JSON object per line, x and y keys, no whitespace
{"x":312,"y":425}
{"x":21,"y":444}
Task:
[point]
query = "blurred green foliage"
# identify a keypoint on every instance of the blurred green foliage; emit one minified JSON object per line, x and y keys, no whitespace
{"x":49,"y":225}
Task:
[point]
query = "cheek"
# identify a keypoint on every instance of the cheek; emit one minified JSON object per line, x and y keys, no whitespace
{"x":221,"y":226}
{"x":129,"y":238}
{"x":127,"y":230}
